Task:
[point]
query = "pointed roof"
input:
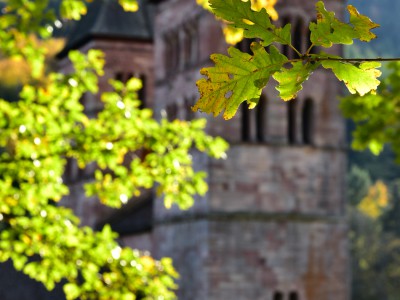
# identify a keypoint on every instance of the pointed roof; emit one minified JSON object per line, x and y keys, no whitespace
{"x":107,"y":19}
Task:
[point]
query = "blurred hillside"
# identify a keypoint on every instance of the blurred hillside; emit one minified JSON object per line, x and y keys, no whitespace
{"x":387,"y":44}
{"x":375,"y":238}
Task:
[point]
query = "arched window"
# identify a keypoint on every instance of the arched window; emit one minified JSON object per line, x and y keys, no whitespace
{"x":307,"y":121}
{"x":176,"y":47}
{"x":293,"y":296}
{"x":244,"y":45}
{"x":123,"y":76}
{"x":189,"y":113}
{"x":291,"y":121}
{"x":194,"y":55}
{"x":71,"y":171}
{"x":190,"y":43}
{"x":298,"y":31}
{"x":172,"y":48}
{"x":285,"y":48}
{"x":277,"y":295}
{"x":167,"y":53}
{"x":314,"y":49}
{"x":119,"y":76}
{"x":129,"y":76}
{"x":261,"y":119}
{"x":298,"y":35}
{"x":172,"y":111}
{"x":254,"y":121}
{"x":142,"y":92}
{"x":187,"y":45}
{"x":246,"y":123}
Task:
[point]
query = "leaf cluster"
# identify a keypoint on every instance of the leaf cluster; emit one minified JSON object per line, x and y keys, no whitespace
{"x":374,"y":236}
{"x":241,"y":76}
{"x":22,"y":23}
{"x":376,"y":116}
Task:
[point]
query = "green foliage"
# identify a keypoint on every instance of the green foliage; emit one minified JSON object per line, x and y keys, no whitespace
{"x":256,"y":24}
{"x":360,"y":78}
{"x":236,"y":79}
{"x":375,"y":259}
{"x":329,"y":30}
{"x":129,"y":5}
{"x":358,"y":183}
{"x":72,"y":9}
{"x":291,"y":80}
{"x":374,"y":244}
{"x":376,"y":116}
{"x":47,"y":126}
{"x":24,"y":21}
{"x":241,"y":77}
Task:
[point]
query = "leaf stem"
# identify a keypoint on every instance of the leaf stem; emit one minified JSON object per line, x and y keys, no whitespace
{"x":309,"y":49}
{"x":356,"y":59}
{"x":316,"y":59}
{"x":295,"y":50}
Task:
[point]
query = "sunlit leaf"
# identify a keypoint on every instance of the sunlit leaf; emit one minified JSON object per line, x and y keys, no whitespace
{"x":255,"y":24}
{"x":360,"y":78}
{"x":73,"y":9}
{"x":235,"y":79}
{"x":291,"y":80}
{"x":329,"y":30}
{"x":362,"y":24}
{"x":129,"y":5}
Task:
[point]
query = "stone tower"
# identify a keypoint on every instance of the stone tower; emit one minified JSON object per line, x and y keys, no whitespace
{"x":272,"y":226}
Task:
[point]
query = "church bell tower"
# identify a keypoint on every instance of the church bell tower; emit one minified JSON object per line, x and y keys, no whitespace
{"x":272,"y":225}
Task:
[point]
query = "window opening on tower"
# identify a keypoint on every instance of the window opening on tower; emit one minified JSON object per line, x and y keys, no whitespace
{"x":278,"y":295}
{"x":293,"y":295}
{"x":307,"y":121}
{"x":291,"y":121}
{"x":254,"y":121}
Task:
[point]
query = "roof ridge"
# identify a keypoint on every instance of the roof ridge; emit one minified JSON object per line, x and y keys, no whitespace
{"x":106,"y":18}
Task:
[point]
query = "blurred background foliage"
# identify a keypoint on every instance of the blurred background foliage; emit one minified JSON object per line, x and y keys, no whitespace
{"x":373,"y":181}
{"x":42,"y":124}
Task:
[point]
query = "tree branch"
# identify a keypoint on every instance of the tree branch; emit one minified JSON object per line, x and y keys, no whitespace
{"x":347,"y":59}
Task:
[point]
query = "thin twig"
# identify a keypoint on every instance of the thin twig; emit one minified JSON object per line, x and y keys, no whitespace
{"x":353,"y":59}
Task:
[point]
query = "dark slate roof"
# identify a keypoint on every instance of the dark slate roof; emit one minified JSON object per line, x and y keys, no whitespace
{"x":107,"y":19}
